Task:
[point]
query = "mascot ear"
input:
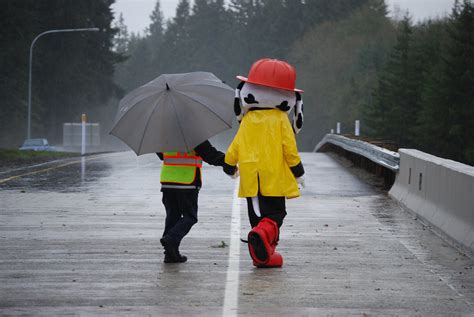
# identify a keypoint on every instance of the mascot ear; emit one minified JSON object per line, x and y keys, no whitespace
{"x":298,"y":115}
{"x":239,"y":113}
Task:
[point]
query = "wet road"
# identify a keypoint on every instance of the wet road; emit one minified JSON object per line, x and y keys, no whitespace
{"x":82,"y":237}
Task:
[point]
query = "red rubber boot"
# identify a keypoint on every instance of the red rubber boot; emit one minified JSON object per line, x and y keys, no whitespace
{"x":262,"y":243}
{"x":276,"y":260}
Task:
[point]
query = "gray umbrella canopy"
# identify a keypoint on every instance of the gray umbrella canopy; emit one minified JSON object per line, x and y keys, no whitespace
{"x":174,"y":112}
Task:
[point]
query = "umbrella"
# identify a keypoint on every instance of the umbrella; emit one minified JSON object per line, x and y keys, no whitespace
{"x":174,"y":112}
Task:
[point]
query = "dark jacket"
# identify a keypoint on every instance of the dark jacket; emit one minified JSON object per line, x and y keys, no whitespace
{"x":209,"y":155}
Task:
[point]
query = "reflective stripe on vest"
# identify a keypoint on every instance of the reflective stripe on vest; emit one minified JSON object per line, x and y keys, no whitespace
{"x":180,"y":168}
{"x":182,"y":159}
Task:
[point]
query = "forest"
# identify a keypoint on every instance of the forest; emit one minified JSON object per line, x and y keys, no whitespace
{"x":408,"y":83}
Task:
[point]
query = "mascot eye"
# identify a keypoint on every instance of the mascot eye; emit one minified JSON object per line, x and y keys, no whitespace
{"x":284,"y":106}
{"x":250,"y":99}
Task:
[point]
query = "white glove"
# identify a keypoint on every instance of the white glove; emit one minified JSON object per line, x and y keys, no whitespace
{"x":301,"y":183}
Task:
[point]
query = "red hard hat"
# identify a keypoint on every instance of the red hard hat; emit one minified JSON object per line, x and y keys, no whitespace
{"x":272,"y":73}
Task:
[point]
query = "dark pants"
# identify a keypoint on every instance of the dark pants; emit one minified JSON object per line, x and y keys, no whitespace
{"x":181,"y":212}
{"x":270,"y":207}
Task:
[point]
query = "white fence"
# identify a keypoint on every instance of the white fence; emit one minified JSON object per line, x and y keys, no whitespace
{"x":72,"y":135}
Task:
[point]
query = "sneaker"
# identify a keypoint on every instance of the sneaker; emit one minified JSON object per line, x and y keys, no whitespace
{"x":180,"y":259}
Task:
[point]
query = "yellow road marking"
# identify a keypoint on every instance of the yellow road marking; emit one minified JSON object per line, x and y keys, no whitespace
{"x":44,"y":170}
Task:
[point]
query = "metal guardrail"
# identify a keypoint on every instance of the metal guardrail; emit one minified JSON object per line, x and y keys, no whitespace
{"x":376,"y":154}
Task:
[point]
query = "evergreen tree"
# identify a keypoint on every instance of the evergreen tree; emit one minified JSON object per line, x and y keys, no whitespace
{"x":245,"y":37}
{"x":155,"y":39}
{"x":76,"y":68}
{"x":209,"y":37}
{"x":176,"y":40}
{"x":15,"y":25}
{"x":138,"y":69}
{"x":156,"y":29}
{"x":72,"y":72}
{"x":394,"y":113}
{"x":319,"y":11}
{"x":122,"y":46}
{"x":430,"y":38}
{"x":337,"y":64}
{"x":122,"y":37}
{"x":156,"y":26}
{"x":448,"y":104}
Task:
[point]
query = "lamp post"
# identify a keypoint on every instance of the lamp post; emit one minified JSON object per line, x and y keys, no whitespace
{"x":28,"y":133}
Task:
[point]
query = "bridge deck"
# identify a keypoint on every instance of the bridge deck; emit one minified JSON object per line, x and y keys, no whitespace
{"x":88,"y":243}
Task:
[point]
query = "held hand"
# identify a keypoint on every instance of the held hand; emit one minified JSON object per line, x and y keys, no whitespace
{"x":236,"y":174}
{"x":301,"y":183}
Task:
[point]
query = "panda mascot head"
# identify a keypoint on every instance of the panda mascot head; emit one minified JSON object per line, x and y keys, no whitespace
{"x":270,"y":84}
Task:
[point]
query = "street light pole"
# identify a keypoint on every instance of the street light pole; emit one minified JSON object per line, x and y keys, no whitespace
{"x":28,"y":133}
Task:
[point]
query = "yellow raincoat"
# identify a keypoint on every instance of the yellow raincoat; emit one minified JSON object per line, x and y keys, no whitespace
{"x":265,"y":149}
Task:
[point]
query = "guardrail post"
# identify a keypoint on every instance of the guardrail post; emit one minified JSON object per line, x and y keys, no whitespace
{"x":338,"y":128}
{"x":357,"y":128}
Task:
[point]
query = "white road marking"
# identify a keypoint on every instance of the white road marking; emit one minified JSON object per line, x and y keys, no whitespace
{"x":231,"y":297}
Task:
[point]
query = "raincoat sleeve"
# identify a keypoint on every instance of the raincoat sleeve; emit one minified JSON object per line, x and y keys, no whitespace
{"x":290,"y":150}
{"x":232,"y":157}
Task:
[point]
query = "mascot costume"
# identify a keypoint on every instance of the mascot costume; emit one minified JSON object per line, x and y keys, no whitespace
{"x":265,"y":151}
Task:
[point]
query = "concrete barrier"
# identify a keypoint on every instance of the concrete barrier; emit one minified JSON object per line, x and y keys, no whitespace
{"x":440,"y":191}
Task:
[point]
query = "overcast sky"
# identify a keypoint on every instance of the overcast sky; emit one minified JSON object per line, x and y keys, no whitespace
{"x":136,"y":13}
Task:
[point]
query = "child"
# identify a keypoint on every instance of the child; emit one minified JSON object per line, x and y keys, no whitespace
{"x":180,"y":184}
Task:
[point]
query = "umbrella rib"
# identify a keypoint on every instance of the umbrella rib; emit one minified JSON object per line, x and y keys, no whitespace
{"x":148,"y":122}
{"x":207,"y":85}
{"x":120,"y":119}
{"x":230,"y":126}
